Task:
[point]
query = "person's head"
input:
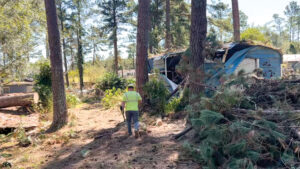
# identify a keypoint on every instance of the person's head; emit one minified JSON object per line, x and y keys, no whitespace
{"x":131,"y":87}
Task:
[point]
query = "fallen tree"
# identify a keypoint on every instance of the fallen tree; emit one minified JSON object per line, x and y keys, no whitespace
{"x":247,"y":125}
{"x":18,"y":99}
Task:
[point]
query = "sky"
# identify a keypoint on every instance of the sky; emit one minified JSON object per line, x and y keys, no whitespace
{"x":261,"y":11}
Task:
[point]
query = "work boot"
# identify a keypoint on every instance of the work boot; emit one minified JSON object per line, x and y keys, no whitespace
{"x":136,"y":134}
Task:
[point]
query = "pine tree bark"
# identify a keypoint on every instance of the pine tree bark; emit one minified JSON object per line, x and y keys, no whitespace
{"x":168,"y":26}
{"x":47,"y":47}
{"x":72,"y":56}
{"x":236,"y":20}
{"x":60,"y":114}
{"x":79,"y":50}
{"x":197,"y":43}
{"x":142,"y":45}
{"x":80,"y":59}
{"x":64,"y":44}
{"x":115,"y":37}
{"x":116,"y":63}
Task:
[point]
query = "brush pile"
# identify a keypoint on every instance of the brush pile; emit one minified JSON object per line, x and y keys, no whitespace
{"x":248,"y":125}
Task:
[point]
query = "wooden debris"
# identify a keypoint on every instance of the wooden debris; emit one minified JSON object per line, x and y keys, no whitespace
{"x":18,"y":99}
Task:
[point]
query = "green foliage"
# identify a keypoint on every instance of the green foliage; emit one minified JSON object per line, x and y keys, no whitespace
{"x":21,"y":137}
{"x":227,"y":138}
{"x":112,"y":97}
{"x":115,"y":14}
{"x":223,"y":101}
{"x":21,"y":25}
{"x":236,"y":143}
{"x":111,"y":81}
{"x":178,"y":104}
{"x":173,"y":105}
{"x":156,"y":96}
{"x":43,"y":85}
{"x":180,"y":24}
{"x":72,"y":100}
{"x":89,"y":73}
{"x":254,"y":34}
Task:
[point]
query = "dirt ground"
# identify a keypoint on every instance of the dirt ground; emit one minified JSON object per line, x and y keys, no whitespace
{"x":96,"y":138}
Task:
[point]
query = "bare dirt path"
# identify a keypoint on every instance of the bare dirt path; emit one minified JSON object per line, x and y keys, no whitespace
{"x":103,"y":144}
{"x":96,"y":138}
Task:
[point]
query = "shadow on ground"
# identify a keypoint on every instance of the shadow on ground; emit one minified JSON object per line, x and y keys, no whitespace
{"x":111,"y":148}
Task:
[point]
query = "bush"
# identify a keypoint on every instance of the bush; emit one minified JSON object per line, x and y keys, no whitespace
{"x":111,"y":81}
{"x":112,"y":97}
{"x":72,"y":100}
{"x":156,"y":96}
{"x":173,"y":104}
{"x":177,"y":104}
{"x":43,"y":85}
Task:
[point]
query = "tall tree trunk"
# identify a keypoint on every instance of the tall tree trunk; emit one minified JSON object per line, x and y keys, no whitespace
{"x":47,"y":47}
{"x":60,"y":114}
{"x":142,"y":45}
{"x":64,"y":46}
{"x":168,"y":27}
{"x":80,"y":59}
{"x":79,"y":51}
{"x":236,"y":20}
{"x":94,"y":53}
{"x":197,"y":43}
{"x":66,"y":63}
{"x":116,"y":64}
{"x":72,"y":57}
{"x":115,"y":36}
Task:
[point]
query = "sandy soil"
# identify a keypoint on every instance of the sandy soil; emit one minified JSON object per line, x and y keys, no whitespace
{"x":96,"y":138}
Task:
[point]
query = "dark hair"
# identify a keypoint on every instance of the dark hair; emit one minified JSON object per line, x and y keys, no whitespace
{"x":130,"y":87}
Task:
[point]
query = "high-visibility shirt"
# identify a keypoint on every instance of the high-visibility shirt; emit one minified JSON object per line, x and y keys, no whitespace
{"x":132,"y":98}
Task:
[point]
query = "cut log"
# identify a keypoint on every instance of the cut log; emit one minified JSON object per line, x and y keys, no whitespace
{"x":18,"y":99}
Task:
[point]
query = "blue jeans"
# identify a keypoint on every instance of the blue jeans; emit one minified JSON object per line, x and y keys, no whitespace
{"x":132,"y":115}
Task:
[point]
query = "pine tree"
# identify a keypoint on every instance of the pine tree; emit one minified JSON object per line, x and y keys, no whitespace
{"x":156,"y":25}
{"x":236,"y":20}
{"x":198,"y":38}
{"x":60,"y":113}
{"x":168,"y":25}
{"x":291,"y":11}
{"x":142,"y":45}
{"x":180,"y":24}
{"x":78,"y":4}
{"x":220,"y":19}
{"x":62,"y":15}
{"x":115,"y":14}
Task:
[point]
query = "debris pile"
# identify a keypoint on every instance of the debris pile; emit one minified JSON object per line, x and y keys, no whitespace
{"x":256,"y":127}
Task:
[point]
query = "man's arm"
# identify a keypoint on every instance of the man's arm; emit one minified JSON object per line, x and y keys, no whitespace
{"x":123,"y":104}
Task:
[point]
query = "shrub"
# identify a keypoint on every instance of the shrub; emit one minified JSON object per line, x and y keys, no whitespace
{"x":43,"y":85}
{"x":21,"y":137}
{"x":111,"y":81}
{"x":112,"y":97}
{"x":156,"y":96}
{"x":177,"y":104}
{"x":72,"y":100}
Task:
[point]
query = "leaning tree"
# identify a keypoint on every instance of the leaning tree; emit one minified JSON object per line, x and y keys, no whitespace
{"x":60,"y":114}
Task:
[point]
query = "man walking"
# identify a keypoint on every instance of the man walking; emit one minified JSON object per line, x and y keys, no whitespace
{"x":131,"y":101}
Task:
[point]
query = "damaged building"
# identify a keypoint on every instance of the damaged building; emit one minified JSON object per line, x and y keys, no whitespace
{"x":233,"y":57}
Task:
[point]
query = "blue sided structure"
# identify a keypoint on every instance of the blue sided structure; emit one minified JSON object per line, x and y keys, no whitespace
{"x":236,"y":57}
